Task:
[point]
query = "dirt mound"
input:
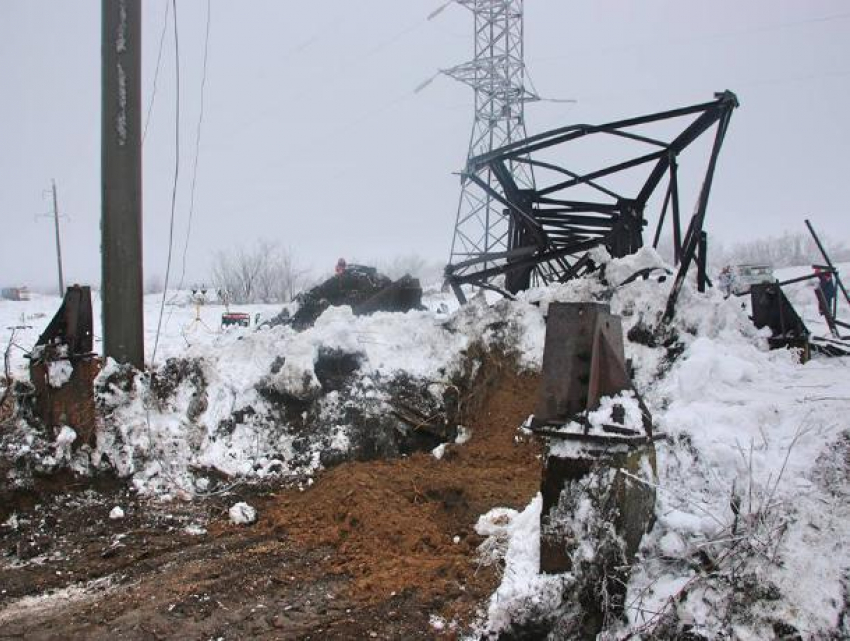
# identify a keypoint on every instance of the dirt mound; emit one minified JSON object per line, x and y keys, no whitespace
{"x":408,"y":524}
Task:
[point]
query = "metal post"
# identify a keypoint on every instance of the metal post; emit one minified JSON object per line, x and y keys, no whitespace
{"x":677,"y":220}
{"x":58,"y":244}
{"x":702,"y":262}
{"x":121,"y":182}
{"x":694,"y":234}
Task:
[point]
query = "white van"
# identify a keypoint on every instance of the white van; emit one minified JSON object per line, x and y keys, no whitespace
{"x":745,"y":276}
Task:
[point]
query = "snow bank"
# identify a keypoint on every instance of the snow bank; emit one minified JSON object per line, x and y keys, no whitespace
{"x":218,"y":407}
{"x":225,"y":406}
{"x":752,"y":432}
{"x":750,"y":427}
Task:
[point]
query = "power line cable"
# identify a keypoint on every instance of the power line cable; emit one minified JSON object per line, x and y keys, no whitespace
{"x":765,"y":82}
{"x":539,"y":98}
{"x":176,"y":177}
{"x":197,"y":146}
{"x":344,"y":71}
{"x":156,"y":72}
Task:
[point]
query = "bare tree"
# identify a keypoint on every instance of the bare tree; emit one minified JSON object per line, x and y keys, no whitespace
{"x":264,"y":273}
{"x":291,"y":277}
{"x":787,"y":250}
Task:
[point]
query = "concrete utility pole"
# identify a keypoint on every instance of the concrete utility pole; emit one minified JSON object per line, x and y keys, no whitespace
{"x":121,"y":182}
{"x":58,"y":244}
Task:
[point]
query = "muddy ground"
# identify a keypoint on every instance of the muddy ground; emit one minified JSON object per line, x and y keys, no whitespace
{"x":369,"y":550}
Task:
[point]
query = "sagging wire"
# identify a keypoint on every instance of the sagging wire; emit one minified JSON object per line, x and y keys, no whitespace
{"x":156,"y":71}
{"x":439,"y":10}
{"x":197,"y":146}
{"x":176,"y":178}
{"x":195,"y":171}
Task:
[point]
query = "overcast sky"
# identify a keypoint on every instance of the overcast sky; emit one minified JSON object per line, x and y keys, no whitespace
{"x":313,"y":136}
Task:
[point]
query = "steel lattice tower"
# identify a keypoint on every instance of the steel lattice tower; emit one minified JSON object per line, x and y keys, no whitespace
{"x":497,"y":75}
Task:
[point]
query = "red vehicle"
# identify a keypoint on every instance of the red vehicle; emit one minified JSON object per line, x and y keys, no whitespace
{"x":235,"y":318}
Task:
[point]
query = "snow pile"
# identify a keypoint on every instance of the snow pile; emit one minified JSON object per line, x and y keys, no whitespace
{"x":410,"y":342}
{"x":279,"y":402}
{"x":440,"y":451}
{"x":239,"y":402}
{"x":743,"y":488}
{"x":524,"y":593}
{"x":753,"y":484}
{"x":609,"y":406}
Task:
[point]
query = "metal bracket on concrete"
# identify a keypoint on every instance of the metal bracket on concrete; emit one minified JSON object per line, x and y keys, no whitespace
{"x":583,"y":363}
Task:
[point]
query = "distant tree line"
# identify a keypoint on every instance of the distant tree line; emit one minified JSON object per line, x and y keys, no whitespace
{"x":265,"y":272}
{"x":787,"y":250}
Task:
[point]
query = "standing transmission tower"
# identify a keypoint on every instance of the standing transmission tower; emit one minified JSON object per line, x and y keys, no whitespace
{"x":497,"y":75}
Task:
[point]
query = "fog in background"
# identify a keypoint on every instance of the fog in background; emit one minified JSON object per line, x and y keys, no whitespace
{"x":314,"y":138}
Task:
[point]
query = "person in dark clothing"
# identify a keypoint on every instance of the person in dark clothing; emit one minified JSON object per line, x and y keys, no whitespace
{"x":826,"y":285}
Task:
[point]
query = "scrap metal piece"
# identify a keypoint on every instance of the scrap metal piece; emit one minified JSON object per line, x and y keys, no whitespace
{"x":63,"y":367}
{"x":553,"y":226}
{"x":772,"y":309}
{"x":72,"y":324}
{"x":583,"y":362}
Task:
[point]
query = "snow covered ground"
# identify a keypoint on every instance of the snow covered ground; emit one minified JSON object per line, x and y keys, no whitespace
{"x":752,"y":508}
{"x":184,"y":325}
{"x":180,"y":328}
{"x":751,"y":431}
{"x":222,"y":419}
